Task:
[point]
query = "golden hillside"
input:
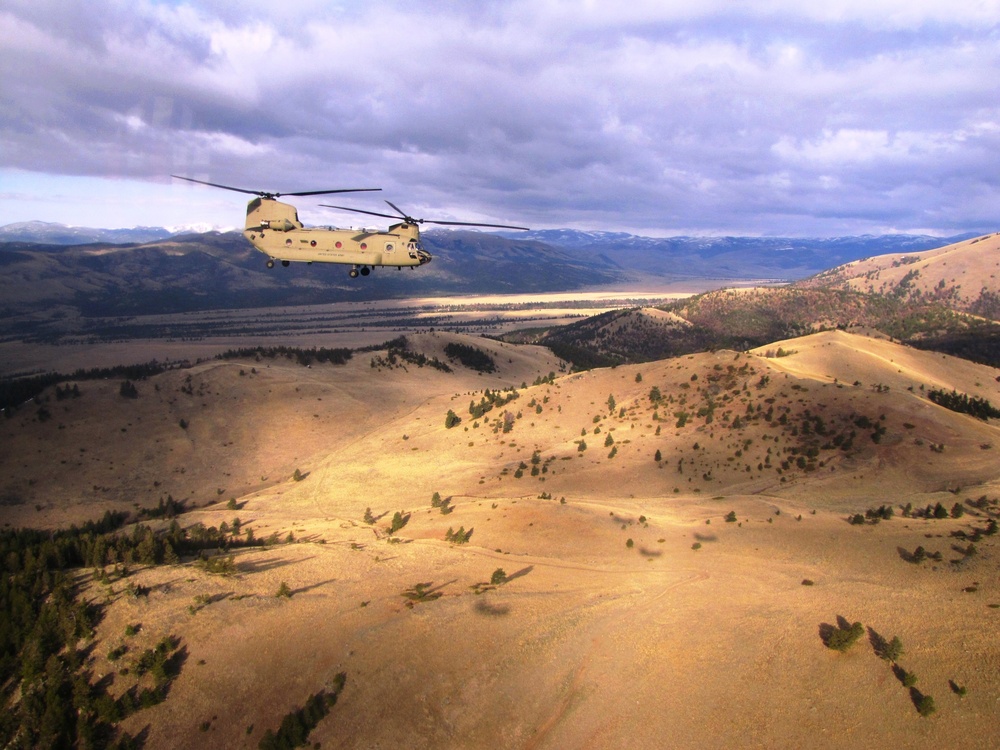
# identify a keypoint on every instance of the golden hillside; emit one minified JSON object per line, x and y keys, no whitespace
{"x":966,"y":275}
{"x":632,"y":613}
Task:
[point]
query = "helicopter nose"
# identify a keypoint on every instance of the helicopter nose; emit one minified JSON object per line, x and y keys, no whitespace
{"x":424,"y":257}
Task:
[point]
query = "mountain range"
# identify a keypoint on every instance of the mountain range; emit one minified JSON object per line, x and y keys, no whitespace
{"x":149,"y":270}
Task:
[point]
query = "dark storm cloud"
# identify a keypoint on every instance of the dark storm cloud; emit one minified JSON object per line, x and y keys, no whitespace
{"x":659,"y":117}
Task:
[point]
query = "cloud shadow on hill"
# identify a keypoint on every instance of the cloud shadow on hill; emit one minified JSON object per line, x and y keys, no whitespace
{"x":483,"y":607}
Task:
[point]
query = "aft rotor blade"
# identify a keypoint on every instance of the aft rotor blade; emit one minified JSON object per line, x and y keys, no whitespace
{"x":407,"y":218}
{"x":402,"y":215}
{"x":473,"y":224}
{"x":360,"y":211}
{"x":451,"y":223}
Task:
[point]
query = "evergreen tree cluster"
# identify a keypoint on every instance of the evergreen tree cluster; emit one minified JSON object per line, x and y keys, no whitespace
{"x":17,"y":391}
{"x":304,"y":357}
{"x":980,"y":408}
{"x":457,"y":537}
{"x":491,"y":400}
{"x":42,"y":624}
{"x":399,"y":520}
{"x":471,"y":357}
{"x":296,"y":726}
{"x":397,"y":354}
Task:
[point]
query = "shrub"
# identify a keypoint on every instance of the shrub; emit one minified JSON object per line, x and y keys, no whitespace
{"x":284,"y":591}
{"x":731,"y":517}
{"x":842,"y":638}
{"x":451,"y":419}
{"x":222,"y":565}
{"x":499,"y":577}
{"x":925,"y":705}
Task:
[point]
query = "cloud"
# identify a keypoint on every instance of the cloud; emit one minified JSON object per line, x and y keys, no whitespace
{"x":772,"y":117}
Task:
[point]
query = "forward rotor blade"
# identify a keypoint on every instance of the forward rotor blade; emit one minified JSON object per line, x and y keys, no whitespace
{"x":328,"y":192}
{"x":215,"y":184}
{"x":265,"y":194}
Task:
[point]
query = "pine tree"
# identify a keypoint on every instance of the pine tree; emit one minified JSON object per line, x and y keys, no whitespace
{"x":893,"y":650}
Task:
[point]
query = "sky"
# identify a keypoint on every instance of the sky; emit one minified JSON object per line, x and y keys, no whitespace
{"x":655,"y":117}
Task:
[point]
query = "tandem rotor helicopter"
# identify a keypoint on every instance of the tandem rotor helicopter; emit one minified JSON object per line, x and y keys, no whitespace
{"x":274,"y":228}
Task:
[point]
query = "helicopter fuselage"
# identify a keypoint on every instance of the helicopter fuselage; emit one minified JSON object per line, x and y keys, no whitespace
{"x":274,"y":228}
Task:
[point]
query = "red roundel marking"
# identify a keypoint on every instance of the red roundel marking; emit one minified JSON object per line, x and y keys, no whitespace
{"x":339,"y":244}
{"x":313,"y":243}
{"x":364,"y":245}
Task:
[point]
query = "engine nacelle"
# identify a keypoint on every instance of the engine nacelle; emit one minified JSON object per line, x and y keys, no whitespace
{"x":277,"y":225}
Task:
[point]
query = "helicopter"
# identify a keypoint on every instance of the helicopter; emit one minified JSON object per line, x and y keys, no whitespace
{"x":274,"y":228}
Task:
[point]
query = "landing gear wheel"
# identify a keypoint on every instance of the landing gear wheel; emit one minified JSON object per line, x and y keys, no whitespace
{"x":270,"y":264}
{"x":353,"y":273}
{"x":365,"y":271}
{"x":286,"y":263}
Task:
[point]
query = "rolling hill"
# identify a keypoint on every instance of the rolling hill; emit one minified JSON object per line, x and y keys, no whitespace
{"x":459,"y":543}
{"x":652,"y":553}
{"x":917,"y":298}
{"x":963,"y":275}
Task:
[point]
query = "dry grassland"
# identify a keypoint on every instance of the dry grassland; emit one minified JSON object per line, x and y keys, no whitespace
{"x":633,"y":614}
